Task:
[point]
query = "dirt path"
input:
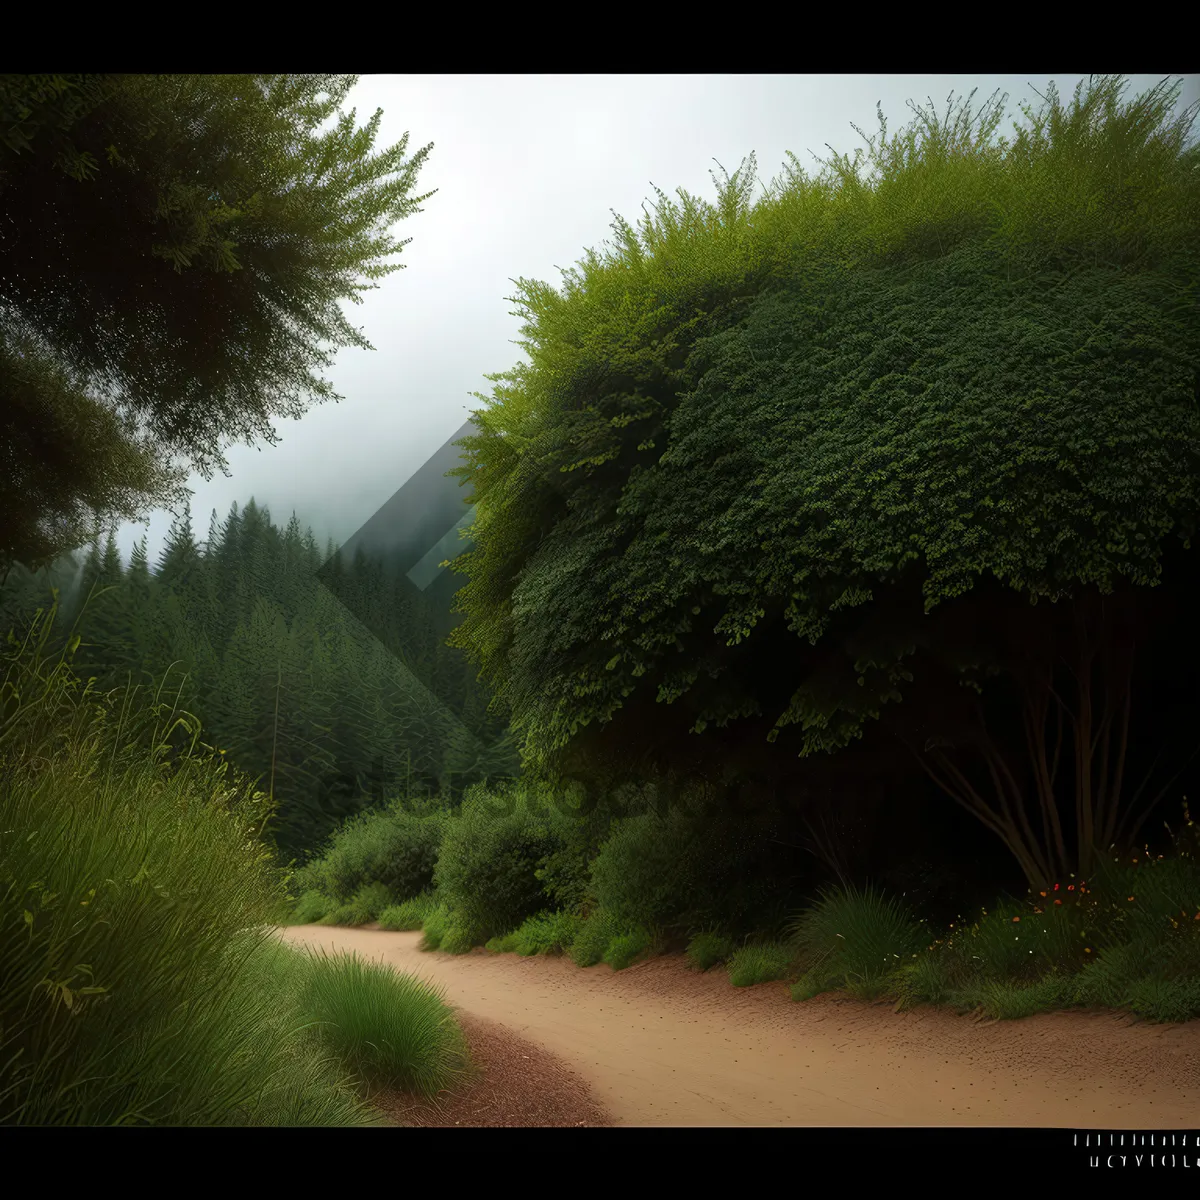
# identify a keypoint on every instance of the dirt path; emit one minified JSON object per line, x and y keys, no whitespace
{"x":661,"y":1044}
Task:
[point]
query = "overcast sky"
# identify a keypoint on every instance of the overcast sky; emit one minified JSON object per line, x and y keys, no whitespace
{"x":527,"y":169}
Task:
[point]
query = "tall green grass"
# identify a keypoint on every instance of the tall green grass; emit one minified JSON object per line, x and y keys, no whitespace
{"x":854,"y":940}
{"x":594,"y":937}
{"x":361,"y":909}
{"x":764,"y":962}
{"x":139,"y":982}
{"x":709,"y":947}
{"x":409,"y":914}
{"x":544,"y":933}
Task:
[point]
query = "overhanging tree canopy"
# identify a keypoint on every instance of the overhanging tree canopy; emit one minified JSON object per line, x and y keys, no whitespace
{"x":765,"y":455}
{"x":173,"y":250}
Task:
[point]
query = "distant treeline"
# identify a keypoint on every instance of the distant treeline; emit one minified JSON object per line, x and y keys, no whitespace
{"x":283,"y":675}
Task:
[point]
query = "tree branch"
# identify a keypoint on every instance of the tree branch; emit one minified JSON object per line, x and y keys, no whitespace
{"x":1160,"y":794}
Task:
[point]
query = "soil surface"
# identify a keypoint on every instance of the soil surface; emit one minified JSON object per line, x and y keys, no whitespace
{"x":662,"y":1044}
{"x":515,"y":1083}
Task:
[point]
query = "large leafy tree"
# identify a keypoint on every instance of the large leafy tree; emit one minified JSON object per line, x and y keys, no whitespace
{"x":173,"y":254}
{"x":798,"y":471}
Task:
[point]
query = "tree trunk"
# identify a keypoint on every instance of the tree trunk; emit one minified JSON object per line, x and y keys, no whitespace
{"x":1104,"y":631}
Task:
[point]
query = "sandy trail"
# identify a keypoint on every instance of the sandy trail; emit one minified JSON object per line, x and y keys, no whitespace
{"x":661,"y":1044}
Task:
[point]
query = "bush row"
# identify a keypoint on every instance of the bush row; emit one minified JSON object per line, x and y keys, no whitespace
{"x":530,"y":878}
{"x":508,"y":854}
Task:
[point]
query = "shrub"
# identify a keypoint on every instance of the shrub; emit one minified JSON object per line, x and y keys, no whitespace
{"x":408,"y":914}
{"x":395,"y":847}
{"x":394,"y":1030}
{"x":369,"y":901}
{"x":1006,"y":1000}
{"x":1106,"y":982}
{"x":593,"y":938}
{"x":459,"y":937}
{"x":688,"y":868}
{"x":361,"y":909}
{"x":340,"y":914}
{"x":929,"y":978}
{"x":1141,"y":900}
{"x":487,"y":870}
{"x":1023,"y":942}
{"x":708,"y":948}
{"x":762,"y":963}
{"x":645,"y":869}
{"x":1173,"y":1000}
{"x":580,"y":830}
{"x":1156,"y":981}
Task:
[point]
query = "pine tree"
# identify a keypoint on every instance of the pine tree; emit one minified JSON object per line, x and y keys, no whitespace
{"x":229,"y":585}
{"x":181,"y":565}
{"x":106,"y":624}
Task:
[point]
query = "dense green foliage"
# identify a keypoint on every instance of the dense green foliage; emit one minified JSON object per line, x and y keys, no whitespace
{"x":289,"y":686}
{"x":1129,"y":938}
{"x":174,"y":251}
{"x":774,"y":467}
{"x":64,"y":455}
{"x":628,"y":948}
{"x":361,"y":908}
{"x":592,"y":941}
{"x":681,"y":870}
{"x":857,"y":938}
{"x":392,"y":848}
{"x":435,"y":926}
{"x":487,"y":870}
{"x":545,"y":933}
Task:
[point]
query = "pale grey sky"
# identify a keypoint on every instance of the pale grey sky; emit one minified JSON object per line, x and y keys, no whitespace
{"x":527,"y":169}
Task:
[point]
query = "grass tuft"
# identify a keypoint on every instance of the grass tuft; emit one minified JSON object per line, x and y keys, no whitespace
{"x":708,"y":948}
{"x":409,"y":914}
{"x":393,"y":1030}
{"x":763,"y":963}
